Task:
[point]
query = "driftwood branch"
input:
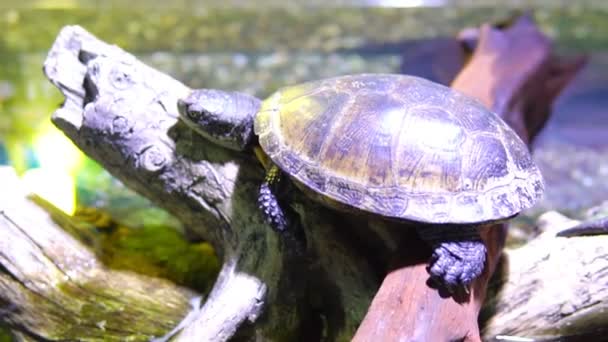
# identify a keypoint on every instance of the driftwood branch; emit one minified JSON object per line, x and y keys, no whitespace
{"x":313,"y":285}
{"x":53,"y":287}
{"x":552,"y":287}
{"x":124,"y":115}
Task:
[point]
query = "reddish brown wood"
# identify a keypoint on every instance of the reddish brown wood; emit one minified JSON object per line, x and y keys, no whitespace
{"x":406,"y":308}
{"x":513,"y":72}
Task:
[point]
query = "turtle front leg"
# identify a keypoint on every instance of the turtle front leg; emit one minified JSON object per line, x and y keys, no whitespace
{"x":459,"y":255}
{"x":268,"y":203}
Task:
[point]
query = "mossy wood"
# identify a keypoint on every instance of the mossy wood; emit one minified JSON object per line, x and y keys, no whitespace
{"x":52,"y":286}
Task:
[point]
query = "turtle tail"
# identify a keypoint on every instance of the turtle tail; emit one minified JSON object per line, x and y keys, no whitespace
{"x":273,"y":214}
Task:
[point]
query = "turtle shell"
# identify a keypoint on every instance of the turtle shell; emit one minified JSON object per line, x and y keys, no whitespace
{"x":399,"y":146}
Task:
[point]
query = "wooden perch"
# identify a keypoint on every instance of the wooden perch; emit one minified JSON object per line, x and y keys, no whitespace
{"x":313,"y":286}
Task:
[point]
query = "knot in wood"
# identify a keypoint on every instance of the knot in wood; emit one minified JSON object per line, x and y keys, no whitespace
{"x":122,"y":77}
{"x":153,"y":159}
{"x":121,"y":126}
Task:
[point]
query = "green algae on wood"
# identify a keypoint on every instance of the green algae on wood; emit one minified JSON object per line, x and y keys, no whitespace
{"x":155,"y":250}
{"x":60,"y":290}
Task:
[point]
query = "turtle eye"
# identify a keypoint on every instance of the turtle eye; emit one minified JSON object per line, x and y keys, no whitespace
{"x":188,"y":110}
{"x":194,"y":115}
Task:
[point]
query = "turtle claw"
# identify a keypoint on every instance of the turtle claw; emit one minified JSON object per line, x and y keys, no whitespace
{"x":268,"y":203}
{"x":271,"y":210}
{"x":455,"y":264}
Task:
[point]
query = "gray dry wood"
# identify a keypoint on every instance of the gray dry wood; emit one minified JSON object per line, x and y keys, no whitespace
{"x":123,"y":114}
{"x":551,"y":287}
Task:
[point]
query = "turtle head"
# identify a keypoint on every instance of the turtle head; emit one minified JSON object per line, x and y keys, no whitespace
{"x":224,"y":118}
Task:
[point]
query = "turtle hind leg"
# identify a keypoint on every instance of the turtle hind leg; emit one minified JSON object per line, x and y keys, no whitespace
{"x":273,"y":214}
{"x":459,"y":255}
{"x":457,"y":263}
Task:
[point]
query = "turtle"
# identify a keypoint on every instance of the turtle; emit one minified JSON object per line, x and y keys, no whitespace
{"x":397,"y":146}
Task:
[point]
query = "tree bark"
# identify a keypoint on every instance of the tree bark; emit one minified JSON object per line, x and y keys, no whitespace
{"x":313,"y":284}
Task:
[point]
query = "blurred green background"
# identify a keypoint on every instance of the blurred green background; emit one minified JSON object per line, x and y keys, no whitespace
{"x":257,"y":47}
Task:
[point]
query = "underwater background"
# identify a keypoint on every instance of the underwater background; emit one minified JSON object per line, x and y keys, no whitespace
{"x":256,"y":49}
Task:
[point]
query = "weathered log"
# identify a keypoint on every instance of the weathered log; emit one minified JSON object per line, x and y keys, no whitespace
{"x":551,"y":288}
{"x":124,"y":115}
{"x":508,"y":73}
{"x":53,"y":287}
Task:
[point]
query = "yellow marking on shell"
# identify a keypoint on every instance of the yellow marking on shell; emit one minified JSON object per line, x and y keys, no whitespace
{"x":271,"y":103}
{"x":291,"y":93}
{"x":359,"y":149}
{"x":297,"y":113}
{"x":264,"y":117}
{"x":305,"y":124}
{"x":261,"y":124}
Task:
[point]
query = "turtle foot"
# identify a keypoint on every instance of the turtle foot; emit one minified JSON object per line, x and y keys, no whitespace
{"x":457,"y":263}
{"x":272,"y":211}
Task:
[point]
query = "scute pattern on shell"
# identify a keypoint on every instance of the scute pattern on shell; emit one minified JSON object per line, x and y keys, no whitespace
{"x":401,"y":147}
